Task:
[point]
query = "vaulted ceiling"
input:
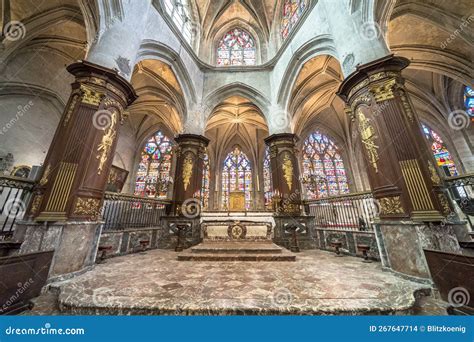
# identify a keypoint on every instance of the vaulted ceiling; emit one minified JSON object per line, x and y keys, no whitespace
{"x":213,"y":14}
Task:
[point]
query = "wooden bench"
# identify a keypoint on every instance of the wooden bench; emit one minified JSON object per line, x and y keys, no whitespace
{"x":453,"y":275}
{"x":23,"y":277}
{"x":365,"y":251}
{"x":144,"y":244}
{"x":7,"y":246}
{"x":103,"y":250}
{"x":337,"y":244}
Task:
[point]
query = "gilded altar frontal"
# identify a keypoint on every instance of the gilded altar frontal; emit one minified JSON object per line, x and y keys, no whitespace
{"x":236,"y":157}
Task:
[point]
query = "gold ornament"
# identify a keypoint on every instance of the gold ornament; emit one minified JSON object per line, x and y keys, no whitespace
{"x":384,"y":91}
{"x":90,"y":96}
{"x":107,"y":141}
{"x":187,"y":170}
{"x":36,"y":204}
{"x":390,"y":205}
{"x":288,"y":169}
{"x":367,"y":133}
{"x":87,"y":206}
{"x":44,"y":180}
{"x":433,"y":174}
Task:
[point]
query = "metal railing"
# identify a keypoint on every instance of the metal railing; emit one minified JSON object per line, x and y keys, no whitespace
{"x":15,"y":196}
{"x":461,"y":191}
{"x":355,"y":211}
{"x":122,"y":211}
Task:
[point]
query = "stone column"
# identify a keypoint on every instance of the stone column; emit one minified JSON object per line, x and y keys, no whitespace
{"x":188,"y":174}
{"x":403,"y":178}
{"x":285,"y":173}
{"x":71,"y":188}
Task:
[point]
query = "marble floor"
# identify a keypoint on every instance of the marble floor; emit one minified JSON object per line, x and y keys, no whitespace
{"x":317,"y":283}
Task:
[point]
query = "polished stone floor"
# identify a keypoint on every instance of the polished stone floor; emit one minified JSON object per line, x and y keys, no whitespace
{"x":317,"y":283}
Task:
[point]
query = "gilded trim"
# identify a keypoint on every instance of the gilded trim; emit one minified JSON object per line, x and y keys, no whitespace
{"x":416,"y":185}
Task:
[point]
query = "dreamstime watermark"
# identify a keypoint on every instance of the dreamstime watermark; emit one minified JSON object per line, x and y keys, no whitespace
{"x":22,"y":287}
{"x":14,"y":207}
{"x":280,"y":120}
{"x":370,"y":30}
{"x":46,"y":330}
{"x":14,"y":30}
{"x":21,"y":110}
{"x":102,"y":119}
{"x":458,"y":296}
{"x":282,"y":297}
{"x":191,"y":208}
{"x":453,"y":36}
{"x":459,"y":119}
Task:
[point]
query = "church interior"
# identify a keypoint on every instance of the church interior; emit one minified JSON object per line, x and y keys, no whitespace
{"x":237,"y":157}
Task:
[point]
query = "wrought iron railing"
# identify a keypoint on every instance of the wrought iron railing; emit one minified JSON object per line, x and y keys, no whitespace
{"x":461,"y":191}
{"x":355,"y":211}
{"x":15,"y":196}
{"x":122,"y":211}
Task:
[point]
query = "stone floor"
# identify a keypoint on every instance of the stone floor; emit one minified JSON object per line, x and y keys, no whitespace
{"x":317,"y":283}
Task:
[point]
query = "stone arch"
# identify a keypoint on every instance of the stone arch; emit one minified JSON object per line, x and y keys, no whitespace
{"x":152,"y":49}
{"x":318,"y":46}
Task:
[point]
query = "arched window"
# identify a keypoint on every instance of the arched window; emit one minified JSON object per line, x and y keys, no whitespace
{"x":205,"y":183}
{"x":236,"y":176}
{"x":267,"y":179}
{"x":179,"y":12}
{"x":292,"y":12}
{"x":469,"y":100}
{"x":440,"y":151}
{"x":237,"y":47}
{"x":323,"y":169}
{"x":153,"y":175}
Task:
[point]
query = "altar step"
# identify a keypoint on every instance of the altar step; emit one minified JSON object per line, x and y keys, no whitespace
{"x":236,"y":251}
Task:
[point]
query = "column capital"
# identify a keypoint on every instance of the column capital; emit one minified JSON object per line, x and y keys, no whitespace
{"x":281,"y":137}
{"x":189,"y":137}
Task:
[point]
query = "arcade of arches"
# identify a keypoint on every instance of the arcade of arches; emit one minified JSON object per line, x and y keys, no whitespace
{"x":315,"y":125}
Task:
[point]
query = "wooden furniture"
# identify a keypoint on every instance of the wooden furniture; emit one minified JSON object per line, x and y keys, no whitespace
{"x":103,"y":252}
{"x":453,"y":275}
{"x":237,"y":201}
{"x":7,"y":246}
{"x":337,"y":245}
{"x":364,"y":249}
{"x":144,"y":244}
{"x":23,"y":277}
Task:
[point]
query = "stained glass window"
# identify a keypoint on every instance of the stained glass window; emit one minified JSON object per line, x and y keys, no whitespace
{"x":205,"y":183}
{"x":237,"y":47}
{"x":323,"y":169}
{"x":179,"y":12}
{"x":440,"y":151}
{"x":153,"y":175}
{"x":292,"y":12}
{"x":236,"y":176}
{"x":469,"y":100}
{"x":267,"y":180}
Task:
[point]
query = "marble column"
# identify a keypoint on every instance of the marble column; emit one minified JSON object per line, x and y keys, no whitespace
{"x":64,"y":212}
{"x":188,"y":173}
{"x":285,"y":173}
{"x":402,"y":174}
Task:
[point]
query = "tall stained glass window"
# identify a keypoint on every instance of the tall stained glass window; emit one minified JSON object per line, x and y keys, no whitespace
{"x":292,"y":12}
{"x":440,"y":151}
{"x":179,"y":12}
{"x":236,"y":176}
{"x":267,"y":179}
{"x":323,"y":169}
{"x":469,"y":100}
{"x":205,"y":183}
{"x":237,"y":47}
{"x":153,"y":175}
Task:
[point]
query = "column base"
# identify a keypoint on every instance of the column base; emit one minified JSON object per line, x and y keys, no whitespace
{"x":74,"y":244}
{"x":402,"y":242}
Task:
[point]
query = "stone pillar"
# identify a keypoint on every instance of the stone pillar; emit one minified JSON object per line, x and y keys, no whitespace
{"x":189,"y":173}
{"x":285,"y":173}
{"x":71,"y":188}
{"x":402,"y":175}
